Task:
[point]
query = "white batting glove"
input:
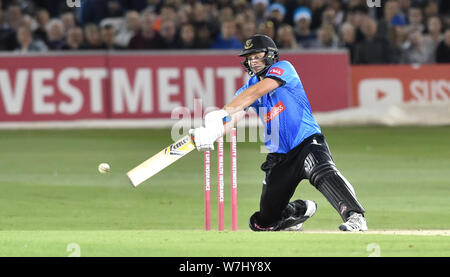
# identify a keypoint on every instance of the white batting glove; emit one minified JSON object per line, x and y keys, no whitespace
{"x":202,"y":139}
{"x":214,"y":123}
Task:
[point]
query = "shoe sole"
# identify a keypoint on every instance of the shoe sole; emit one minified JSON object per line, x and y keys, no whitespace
{"x":310,"y":211}
{"x":344,"y":228}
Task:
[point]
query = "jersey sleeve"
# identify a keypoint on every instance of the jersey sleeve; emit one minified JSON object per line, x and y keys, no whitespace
{"x":244,"y":87}
{"x":284,"y":72}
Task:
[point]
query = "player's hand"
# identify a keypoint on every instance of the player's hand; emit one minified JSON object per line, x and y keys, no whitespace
{"x":214,"y":123}
{"x":203,"y":139}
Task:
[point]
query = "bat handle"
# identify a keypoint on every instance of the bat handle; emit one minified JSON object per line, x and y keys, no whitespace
{"x":226,"y":119}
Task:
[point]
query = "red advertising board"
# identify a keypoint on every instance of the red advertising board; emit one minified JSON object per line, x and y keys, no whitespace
{"x":394,"y":84}
{"x":147,"y":85}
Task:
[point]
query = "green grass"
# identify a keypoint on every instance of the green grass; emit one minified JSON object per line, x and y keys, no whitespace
{"x":218,"y":244}
{"x":51,"y":194}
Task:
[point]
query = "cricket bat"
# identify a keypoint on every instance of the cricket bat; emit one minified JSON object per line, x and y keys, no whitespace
{"x":163,"y":159}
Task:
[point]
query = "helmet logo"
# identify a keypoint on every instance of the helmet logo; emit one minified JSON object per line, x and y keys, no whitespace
{"x":248,"y":44}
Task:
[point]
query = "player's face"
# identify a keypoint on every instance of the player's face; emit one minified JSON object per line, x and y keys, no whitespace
{"x":256,"y":61}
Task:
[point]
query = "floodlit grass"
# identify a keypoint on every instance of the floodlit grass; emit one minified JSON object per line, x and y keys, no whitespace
{"x":51,"y":194}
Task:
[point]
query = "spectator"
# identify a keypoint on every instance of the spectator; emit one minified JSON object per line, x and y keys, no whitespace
{"x":248,"y":29}
{"x":417,"y":51}
{"x":184,"y":15}
{"x":317,"y":9}
{"x":434,"y":36}
{"x":108,"y":34}
{"x":356,"y":16}
{"x":93,"y":39}
{"x":329,"y":18}
{"x":404,"y":6}
{"x":14,"y":16}
{"x":443,"y":49}
{"x":168,"y":13}
{"x":154,"y":6}
{"x":187,"y":37}
{"x":306,"y":38}
{"x":74,"y":39}
{"x":114,"y":8}
{"x":129,"y":29}
{"x":226,"y":14}
{"x":431,"y":9}
{"x":400,"y":36}
{"x":43,"y":18}
{"x":146,"y":36}
{"x":167,"y":35}
{"x":13,"y":20}
{"x":374,"y":49}
{"x":286,"y":37}
{"x":269,"y":29}
{"x":199,"y":14}
{"x":348,"y":40}
{"x":326,"y":37}
{"x":339,"y":13}
{"x":27,"y":43}
{"x":240,"y":5}
{"x":206,"y":20}
{"x":390,"y":9}
{"x":240,"y":21}
{"x":2,"y":32}
{"x":96,"y":11}
{"x":55,"y":34}
{"x":68,"y":19}
{"x":227,"y":38}
{"x":259,"y":7}
{"x":276,"y":13}
{"x":204,"y":36}
{"x":415,"y":18}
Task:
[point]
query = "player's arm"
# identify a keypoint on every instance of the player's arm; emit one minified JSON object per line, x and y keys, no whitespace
{"x":204,"y":137}
{"x":250,"y":95}
{"x":236,"y":108}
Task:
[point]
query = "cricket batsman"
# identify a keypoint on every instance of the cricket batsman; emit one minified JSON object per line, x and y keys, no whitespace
{"x":297,"y":148}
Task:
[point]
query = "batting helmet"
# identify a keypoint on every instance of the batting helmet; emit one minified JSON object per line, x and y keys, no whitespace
{"x":260,"y":43}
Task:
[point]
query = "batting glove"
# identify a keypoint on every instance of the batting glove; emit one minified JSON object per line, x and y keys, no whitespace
{"x":214,"y":123}
{"x":203,"y":139}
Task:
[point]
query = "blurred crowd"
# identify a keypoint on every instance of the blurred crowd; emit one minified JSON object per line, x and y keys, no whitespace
{"x":398,"y":31}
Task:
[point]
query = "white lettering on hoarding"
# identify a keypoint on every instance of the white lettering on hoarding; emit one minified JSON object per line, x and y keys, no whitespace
{"x":42,"y":91}
{"x":432,"y":91}
{"x":13,"y":98}
{"x":76,"y":103}
{"x":166,"y":89}
{"x":229,"y":76}
{"x":138,"y":93}
{"x":95,"y":77}
{"x":195,"y":88}
{"x":391,"y":91}
{"x":72,"y":90}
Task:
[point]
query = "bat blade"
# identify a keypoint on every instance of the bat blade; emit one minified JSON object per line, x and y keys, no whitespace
{"x":161,"y":160}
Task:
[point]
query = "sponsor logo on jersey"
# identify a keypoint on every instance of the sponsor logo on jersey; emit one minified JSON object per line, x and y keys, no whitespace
{"x":274,"y":112}
{"x":276,"y":71}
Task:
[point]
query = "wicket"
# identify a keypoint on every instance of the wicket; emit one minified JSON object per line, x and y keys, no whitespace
{"x":221,"y":183}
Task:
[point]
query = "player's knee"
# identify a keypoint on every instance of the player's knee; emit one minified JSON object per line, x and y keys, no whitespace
{"x":317,"y":165}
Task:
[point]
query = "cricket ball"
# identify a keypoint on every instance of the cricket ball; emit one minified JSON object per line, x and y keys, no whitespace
{"x":103,"y":168}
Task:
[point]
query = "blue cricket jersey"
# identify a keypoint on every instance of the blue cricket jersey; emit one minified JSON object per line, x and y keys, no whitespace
{"x":285,"y":111}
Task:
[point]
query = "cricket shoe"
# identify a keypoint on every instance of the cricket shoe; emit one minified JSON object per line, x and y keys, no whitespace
{"x":311,"y":208}
{"x":355,"y":222}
